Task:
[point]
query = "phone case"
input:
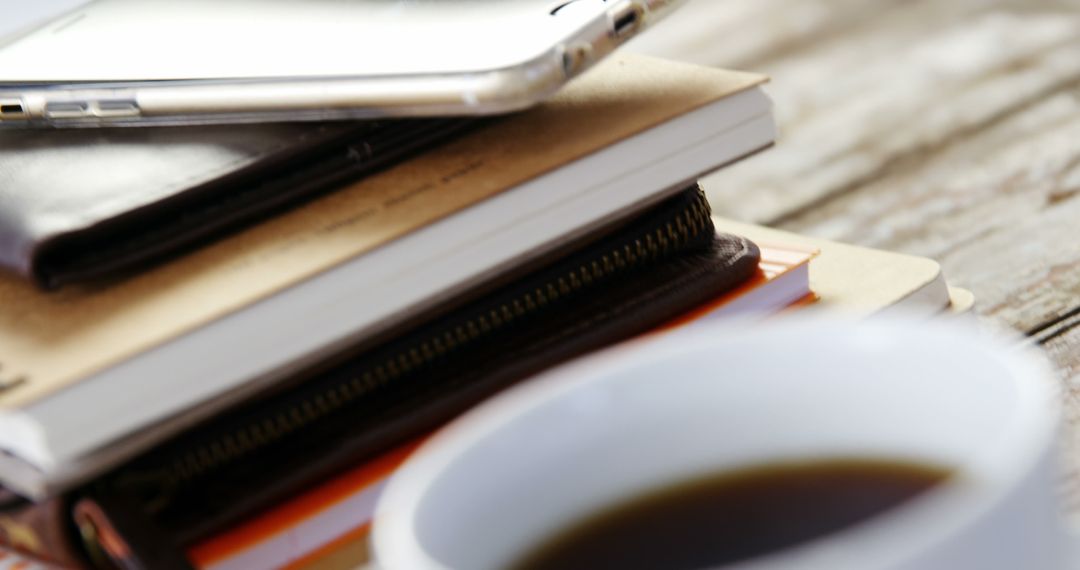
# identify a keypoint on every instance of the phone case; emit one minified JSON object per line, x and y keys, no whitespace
{"x":200,"y":100}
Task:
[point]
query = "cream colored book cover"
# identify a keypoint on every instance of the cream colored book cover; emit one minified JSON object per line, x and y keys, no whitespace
{"x":863,"y":281}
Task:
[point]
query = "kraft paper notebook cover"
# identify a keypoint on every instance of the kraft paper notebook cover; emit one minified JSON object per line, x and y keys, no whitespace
{"x":206,"y":328}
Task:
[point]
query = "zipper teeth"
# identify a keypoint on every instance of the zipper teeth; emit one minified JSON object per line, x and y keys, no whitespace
{"x":681,"y":229}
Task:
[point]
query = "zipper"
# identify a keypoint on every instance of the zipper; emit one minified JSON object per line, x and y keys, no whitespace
{"x":192,"y":458}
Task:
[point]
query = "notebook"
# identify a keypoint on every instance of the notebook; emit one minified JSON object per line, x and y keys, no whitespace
{"x":863,"y":281}
{"x":86,"y":370}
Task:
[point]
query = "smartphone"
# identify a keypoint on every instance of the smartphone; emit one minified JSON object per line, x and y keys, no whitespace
{"x":153,"y":62}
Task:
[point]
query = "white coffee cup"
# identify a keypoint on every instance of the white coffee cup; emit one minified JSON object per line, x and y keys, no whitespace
{"x":535,"y":460}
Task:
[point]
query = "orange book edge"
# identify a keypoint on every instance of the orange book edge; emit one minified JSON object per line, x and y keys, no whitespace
{"x":294,"y":511}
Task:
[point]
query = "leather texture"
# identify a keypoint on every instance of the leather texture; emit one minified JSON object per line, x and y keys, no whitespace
{"x":83,"y":205}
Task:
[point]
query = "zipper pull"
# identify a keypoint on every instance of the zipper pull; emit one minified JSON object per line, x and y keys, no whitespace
{"x":117,"y":533}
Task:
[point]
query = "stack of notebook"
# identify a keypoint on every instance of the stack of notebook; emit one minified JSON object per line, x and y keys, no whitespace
{"x":219,"y":342}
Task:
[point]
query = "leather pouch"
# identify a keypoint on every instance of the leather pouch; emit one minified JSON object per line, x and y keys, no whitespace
{"x":84,"y":205}
{"x":622,"y":284}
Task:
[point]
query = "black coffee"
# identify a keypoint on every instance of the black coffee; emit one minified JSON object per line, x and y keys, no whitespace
{"x":733,"y":515}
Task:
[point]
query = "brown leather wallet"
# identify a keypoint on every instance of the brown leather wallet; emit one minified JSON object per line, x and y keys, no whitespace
{"x":81,"y":205}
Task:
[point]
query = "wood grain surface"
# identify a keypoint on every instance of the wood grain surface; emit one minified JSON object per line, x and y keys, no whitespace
{"x":944,"y":129}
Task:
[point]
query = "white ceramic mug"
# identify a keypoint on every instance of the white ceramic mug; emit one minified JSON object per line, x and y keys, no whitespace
{"x":510,"y":474}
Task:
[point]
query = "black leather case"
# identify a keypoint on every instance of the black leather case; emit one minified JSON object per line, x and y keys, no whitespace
{"x":81,"y":205}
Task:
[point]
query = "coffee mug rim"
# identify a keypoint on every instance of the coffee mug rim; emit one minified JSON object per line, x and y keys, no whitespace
{"x":1037,"y":422}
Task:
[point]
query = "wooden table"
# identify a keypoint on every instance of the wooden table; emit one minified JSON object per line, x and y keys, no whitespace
{"x":947,"y":129}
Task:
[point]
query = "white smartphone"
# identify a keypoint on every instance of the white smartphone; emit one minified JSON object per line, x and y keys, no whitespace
{"x":152,"y":62}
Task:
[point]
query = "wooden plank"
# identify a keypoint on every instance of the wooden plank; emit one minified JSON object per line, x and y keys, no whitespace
{"x":999,"y":210}
{"x":876,"y":100}
{"x":1062,"y":344}
{"x":756,"y":35}
{"x":747,"y":35}
{"x":899,"y":84}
